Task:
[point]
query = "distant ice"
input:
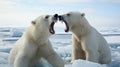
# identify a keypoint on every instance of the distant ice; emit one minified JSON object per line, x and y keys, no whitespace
{"x":16,"y":32}
{"x":1,"y":43}
{"x":113,"y":39}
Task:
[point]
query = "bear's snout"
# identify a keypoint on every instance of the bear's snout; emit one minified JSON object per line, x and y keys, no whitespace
{"x":60,"y":17}
{"x":55,"y":17}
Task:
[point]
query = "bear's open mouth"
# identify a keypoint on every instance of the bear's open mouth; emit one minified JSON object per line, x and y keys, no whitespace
{"x":51,"y":29}
{"x":55,"y":18}
{"x":66,"y":24}
{"x":67,"y":27}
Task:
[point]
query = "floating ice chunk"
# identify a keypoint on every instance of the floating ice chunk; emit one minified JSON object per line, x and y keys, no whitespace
{"x":16,"y":32}
{"x":84,"y":63}
{"x":5,"y":49}
{"x":6,"y":65}
{"x":4,"y":55}
{"x":1,"y":43}
{"x":68,"y":65}
{"x":3,"y":58}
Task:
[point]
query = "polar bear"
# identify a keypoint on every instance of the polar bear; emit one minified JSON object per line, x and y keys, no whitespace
{"x":88,"y":43}
{"x":34,"y":45}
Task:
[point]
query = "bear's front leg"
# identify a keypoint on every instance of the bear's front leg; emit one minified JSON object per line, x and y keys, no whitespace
{"x":91,"y":52}
{"x":24,"y":56}
{"x":77,"y":50}
{"x":21,"y":61}
{"x":92,"y":56}
{"x":55,"y":60}
{"x":91,"y":48}
{"x":51,"y":56}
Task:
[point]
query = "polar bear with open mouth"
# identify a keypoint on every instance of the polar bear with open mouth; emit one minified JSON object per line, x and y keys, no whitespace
{"x":88,"y":43}
{"x":34,"y":44}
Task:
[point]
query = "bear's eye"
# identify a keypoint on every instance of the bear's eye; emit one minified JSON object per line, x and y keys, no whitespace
{"x":46,"y":17}
{"x":68,"y":14}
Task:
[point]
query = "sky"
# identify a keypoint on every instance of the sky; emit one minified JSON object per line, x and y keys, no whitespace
{"x":20,"y":13}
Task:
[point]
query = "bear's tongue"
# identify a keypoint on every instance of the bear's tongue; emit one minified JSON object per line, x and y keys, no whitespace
{"x":51,"y":29}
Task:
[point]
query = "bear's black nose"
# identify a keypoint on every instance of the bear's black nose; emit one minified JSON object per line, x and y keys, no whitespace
{"x":55,"y":16}
{"x":60,"y":17}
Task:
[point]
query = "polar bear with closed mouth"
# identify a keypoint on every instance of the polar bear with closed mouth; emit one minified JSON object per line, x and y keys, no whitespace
{"x":34,"y":44}
{"x":88,"y":43}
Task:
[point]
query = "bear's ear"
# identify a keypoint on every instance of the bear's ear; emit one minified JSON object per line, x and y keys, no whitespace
{"x":33,"y":22}
{"x":83,"y":14}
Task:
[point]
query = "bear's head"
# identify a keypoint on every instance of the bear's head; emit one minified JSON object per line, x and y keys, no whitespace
{"x":75,"y":21}
{"x":41,"y":28}
{"x":45,"y":24}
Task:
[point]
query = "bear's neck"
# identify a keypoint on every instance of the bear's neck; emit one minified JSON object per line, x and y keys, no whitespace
{"x":36,"y":36}
{"x":81,"y":30}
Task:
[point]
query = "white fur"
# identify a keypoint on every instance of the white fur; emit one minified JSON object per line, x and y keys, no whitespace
{"x":88,"y":43}
{"x":34,"y":45}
